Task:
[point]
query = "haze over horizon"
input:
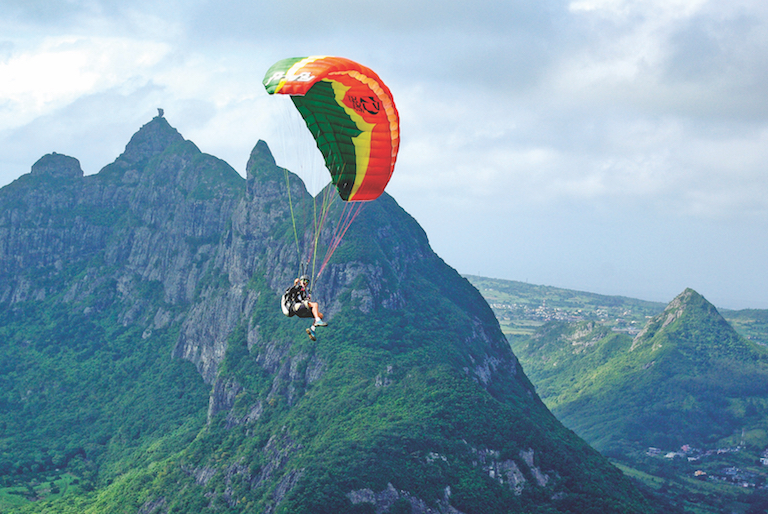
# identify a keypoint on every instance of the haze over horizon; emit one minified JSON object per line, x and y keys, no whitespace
{"x":610,"y":146}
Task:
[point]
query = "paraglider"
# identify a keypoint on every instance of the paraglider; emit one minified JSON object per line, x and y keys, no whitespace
{"x":350,"y":113}
{"x":353,"y":119}
{"x":297,"y":301}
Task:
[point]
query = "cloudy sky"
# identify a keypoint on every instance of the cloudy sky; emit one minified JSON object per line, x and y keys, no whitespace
{"x":611,"y":146}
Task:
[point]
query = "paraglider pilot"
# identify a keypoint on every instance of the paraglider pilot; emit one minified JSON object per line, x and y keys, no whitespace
{"x":300,"y":304}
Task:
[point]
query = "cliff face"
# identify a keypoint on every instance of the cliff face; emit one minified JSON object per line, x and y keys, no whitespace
{"x":146,"y":217}
{"x":410,"y":397}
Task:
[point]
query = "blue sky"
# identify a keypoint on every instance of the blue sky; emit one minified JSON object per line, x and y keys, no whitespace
{"x":611,"y":146}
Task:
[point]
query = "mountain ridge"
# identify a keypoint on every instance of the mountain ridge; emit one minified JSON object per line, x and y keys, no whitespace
{"x":140,"y":322}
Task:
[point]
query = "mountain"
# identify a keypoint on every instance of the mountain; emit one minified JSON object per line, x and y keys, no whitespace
{"x":146,"y":366}
{"x":686,"y":379}
{"x":574,"y":344}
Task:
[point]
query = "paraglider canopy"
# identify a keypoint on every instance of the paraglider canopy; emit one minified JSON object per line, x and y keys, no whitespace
{"x":351,"y":115}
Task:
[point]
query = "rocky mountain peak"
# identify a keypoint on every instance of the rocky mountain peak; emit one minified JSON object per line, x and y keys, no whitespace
{"x":261,"y":157}
{"x":687,"y":314}
{"x":153,"y":138}
{"x":57,"y":165}
{"x":688,"y":298}
{"x":264,"y":176}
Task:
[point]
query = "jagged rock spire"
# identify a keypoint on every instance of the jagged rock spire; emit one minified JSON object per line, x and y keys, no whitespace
{"x":261,"y":159}
{"x":151,"y":139}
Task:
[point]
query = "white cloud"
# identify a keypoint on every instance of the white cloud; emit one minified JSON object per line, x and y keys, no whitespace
{"x":665,"y":10}
{"x":57,"y":71}
{"x":523,"y":123}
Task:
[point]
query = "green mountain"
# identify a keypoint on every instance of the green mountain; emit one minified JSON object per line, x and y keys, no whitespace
{"x":575,"y":346}
{"x":146,"y":367}
{"x":686,"y":378}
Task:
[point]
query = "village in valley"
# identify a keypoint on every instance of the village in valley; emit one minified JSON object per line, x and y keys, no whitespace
{"x":522,"y":308}
{"x":521,"y":318}
{"x":730,"y":465}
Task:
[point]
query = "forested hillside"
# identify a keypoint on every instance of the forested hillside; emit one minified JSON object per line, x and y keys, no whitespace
{"x":147,"y":367}
{"x":678,"y":399}
{"x":686,"y":378}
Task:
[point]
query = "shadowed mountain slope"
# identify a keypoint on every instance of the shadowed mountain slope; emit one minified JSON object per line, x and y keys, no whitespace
{"x":143,"y":350}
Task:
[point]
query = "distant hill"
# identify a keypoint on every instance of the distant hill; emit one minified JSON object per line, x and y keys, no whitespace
{"x":521,"y":307}
{"x":686,"y":378}
{"x":750,"y":323}
{"x":147,"y":368}
{"x":680,"y":401}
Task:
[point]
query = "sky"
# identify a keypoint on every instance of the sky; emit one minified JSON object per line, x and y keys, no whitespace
{"x":611,"y":146}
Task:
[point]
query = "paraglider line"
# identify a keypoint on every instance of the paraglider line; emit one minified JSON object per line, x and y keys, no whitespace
{"x":348,"y":218}
{"x":293,"y":217}
{"x":327,"y":200}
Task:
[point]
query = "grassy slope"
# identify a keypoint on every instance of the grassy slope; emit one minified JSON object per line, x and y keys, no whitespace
{"x":694,"y":381}
{"x":89,"y":396}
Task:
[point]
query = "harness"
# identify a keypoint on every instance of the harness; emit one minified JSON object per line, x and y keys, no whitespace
{"x":290,"y":298}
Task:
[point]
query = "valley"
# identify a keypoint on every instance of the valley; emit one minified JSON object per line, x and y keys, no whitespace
{"x":571,"y":345}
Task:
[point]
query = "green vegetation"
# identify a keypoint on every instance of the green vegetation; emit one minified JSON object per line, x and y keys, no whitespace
{"x":522,"y":308}
{"x":750,"y":323}
{"x":687,"y":386}
{"x":688,"y":378}
{"x":89,"y":396}
{"x":122,"y":292}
